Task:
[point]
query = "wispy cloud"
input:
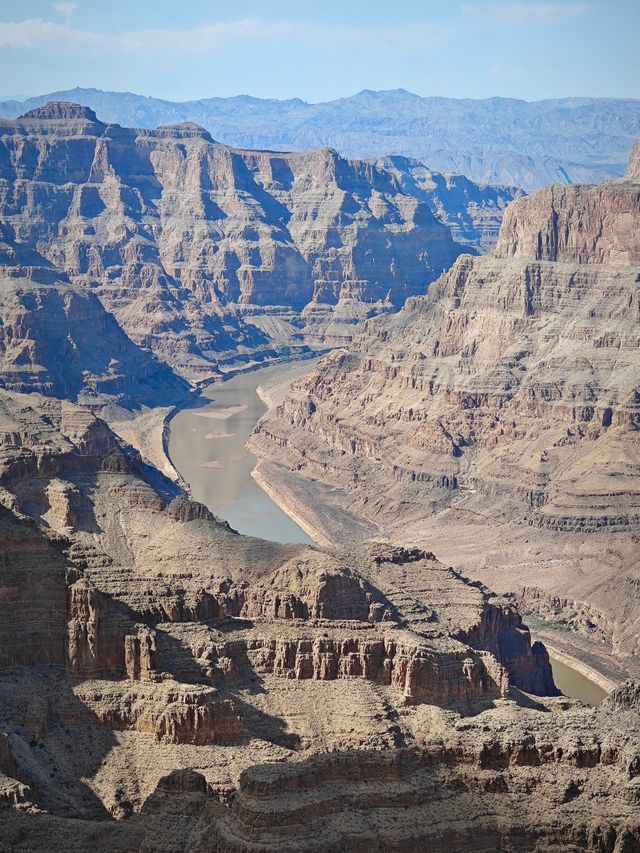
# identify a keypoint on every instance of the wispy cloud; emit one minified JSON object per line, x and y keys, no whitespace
{"x":66,"y":9}
{"x":492,"y":15}
{"x":37,"y":32}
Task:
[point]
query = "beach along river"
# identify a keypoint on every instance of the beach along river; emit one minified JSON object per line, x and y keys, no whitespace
{"x":207,"y":446}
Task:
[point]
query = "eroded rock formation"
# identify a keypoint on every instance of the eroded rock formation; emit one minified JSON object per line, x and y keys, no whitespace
{"x":180,"y":643}
{"x":472,"y":211}
{"x":205,"y":253}
{"x":169,"y":685}
{"x":497,"y":416}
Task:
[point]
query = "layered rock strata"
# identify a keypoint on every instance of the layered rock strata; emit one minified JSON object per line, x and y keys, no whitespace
{"x":205,"y":253}
{"x":56,"y":338}
{"x":494,"y":140}
{"x":472,"y":211}
{"x":156,"y":634}
{"x":285,"y":678}
{"x":497,"y":416}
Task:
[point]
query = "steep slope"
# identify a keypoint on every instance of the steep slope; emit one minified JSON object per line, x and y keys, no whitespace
{"x":472,"y":211}
{"x":57,"y":339}
{"x":497,"y":417}
{"x":205,"y":253}
{"x":215,"y":692}
{"x":497,"y":140}
{"x":154,"y":638}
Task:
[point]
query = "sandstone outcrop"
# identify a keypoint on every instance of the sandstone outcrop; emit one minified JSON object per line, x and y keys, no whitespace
{"x":497,"y":416}
{"x":207,"y":254}
{"x":56,"y":338}
{"x":633,"y":167}
{"x":158,"y":639}
{"x":467,"y":795}
{"x":167,"y":684}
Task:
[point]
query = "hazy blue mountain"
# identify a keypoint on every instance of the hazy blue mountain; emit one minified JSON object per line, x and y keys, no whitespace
{"x":497,"y":140}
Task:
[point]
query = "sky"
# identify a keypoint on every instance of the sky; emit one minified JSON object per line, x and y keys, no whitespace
{"x":319,"y":50}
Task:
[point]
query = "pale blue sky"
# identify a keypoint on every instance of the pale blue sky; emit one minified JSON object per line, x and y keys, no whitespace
{"x":322,"y":50}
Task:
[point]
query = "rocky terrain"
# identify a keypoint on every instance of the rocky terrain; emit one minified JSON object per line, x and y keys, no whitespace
{"x":208,"y":255}
{"x":472,"y":211}
{"x":495,"y":141}
{"x":57,"y":339}
{"x":169,"y":685}
{"x":495,"y":419}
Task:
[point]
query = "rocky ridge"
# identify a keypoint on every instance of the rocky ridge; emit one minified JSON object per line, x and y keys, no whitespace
{"x":495,"y":140}
{"x":472,"y":211}
{"x":157,"y":638}
{"x":57,"y":339}
{"x":169,"y":685}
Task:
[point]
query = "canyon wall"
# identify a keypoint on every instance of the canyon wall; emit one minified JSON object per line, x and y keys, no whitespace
{"x":493,"y":140}
{"x":472,"y":211}
{"x":212,"y":691}
{"x":205,"y":253}
{"x":498,"y":415}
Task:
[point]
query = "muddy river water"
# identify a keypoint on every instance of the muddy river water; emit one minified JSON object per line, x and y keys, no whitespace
{"x":207,"y":446}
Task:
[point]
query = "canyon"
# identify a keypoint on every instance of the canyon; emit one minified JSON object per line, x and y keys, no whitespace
{"x":466,"y":453}
{"x":211,"y":256}
{"x":139,"y":628}
{"x":496,"y":418}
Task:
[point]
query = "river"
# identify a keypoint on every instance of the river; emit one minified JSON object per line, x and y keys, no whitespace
{"x":575,"y":684}
{"x":207,"y":446}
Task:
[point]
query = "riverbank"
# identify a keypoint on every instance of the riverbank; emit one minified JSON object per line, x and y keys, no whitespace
{"x":210,"y":461}
{"x":290,"y":508}
{"x":575,"y":665}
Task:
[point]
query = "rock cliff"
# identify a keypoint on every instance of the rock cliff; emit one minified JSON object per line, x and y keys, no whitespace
{"x":498,"y":415}
{"x":205,"y":253}
{"x":472,"y":211}
{"x":169,"y":685}
{"x":158,"y":638}
{"x":56,"y":338}
{"x":142,"y":636}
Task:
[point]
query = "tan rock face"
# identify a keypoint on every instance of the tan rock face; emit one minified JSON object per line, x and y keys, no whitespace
{"x":472,"y":211}
{"x":414,"y":799}
{"x":216,"y":692}
{"x":595,"y":225}
{"x":184,"y":645}
{"x":497,"y":415}
{"x":171,"y":712}
{"x":33,"y":610}
{"x":633,"y":169}
{"x":188,"y":242}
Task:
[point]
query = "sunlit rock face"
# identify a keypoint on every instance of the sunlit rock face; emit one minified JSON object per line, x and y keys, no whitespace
{"x":200,"y":250}
{"x":500,"y":141}
{"x":504,"y":401}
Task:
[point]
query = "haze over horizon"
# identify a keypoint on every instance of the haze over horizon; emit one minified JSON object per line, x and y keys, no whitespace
{"x":527,"y":50}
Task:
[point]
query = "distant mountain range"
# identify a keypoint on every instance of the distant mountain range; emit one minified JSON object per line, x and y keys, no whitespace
{"x":497,"y":140}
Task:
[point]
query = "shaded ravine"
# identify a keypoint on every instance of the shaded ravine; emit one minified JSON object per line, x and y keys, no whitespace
{"x":207,"y":446}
